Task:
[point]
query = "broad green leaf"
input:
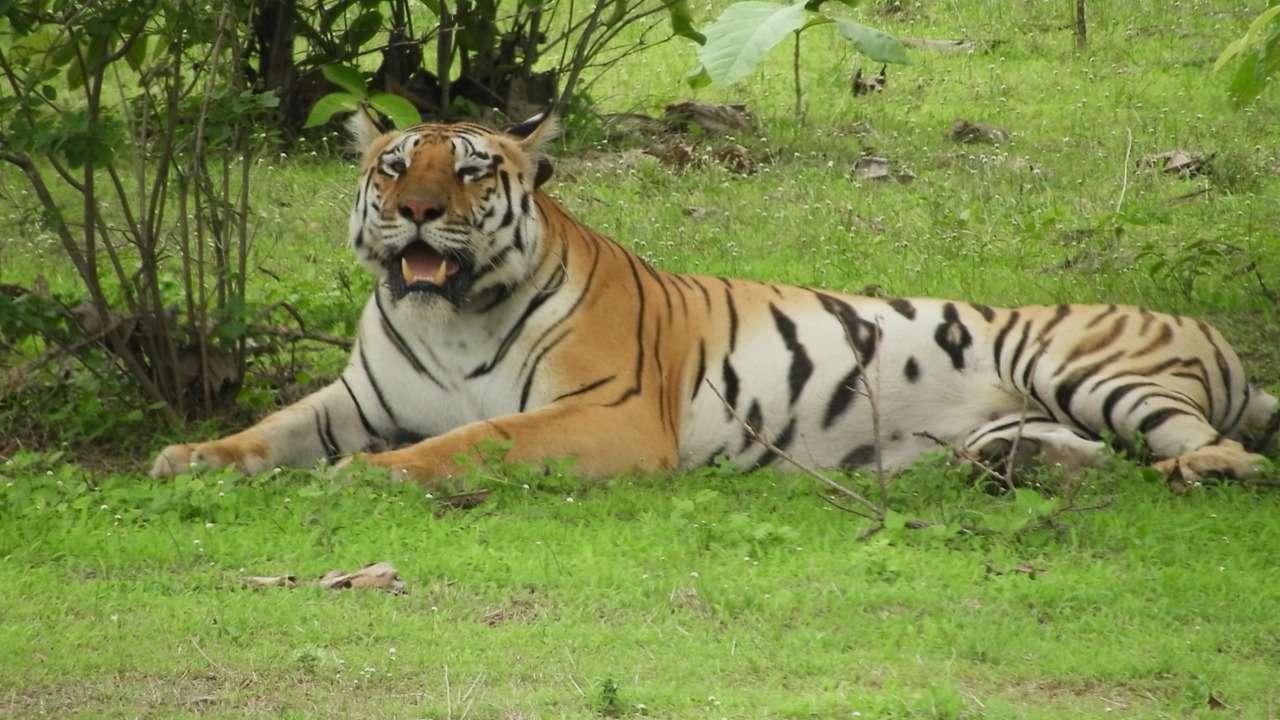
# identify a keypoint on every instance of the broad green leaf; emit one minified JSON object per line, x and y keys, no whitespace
{"x":402,"y":112}
{"x":682,"y":22}
{"x":136,"y":55}
{"x":361,"y":30}
{"x":875,"y":44}
{"x":1251,"y":37}
{"x":347,"y":78}
{"x":698,"y":79}
{"x":743,"y":34}
{"x":432,"y":5}
{"x":330,"y":105}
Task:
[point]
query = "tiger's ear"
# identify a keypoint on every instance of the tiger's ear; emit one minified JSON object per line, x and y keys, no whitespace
{"x":363,"y":129}
{"x":535,"y":134}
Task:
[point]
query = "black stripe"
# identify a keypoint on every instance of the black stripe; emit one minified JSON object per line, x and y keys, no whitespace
{"x":903,"y":308}
{"x":861,"y":456}
{"x":706,"y":296}
{"x":324,"y":431}
{"x":532,"y":369}
{"x":1224,"y":368}
{"x":782,"y":442}
{"x":843,"y":397}
{"x":861,"y":335}
{"x":730,"y":386}
{"x":1160,"y":417}
{"x":755,"y":422}
{"x":801,"y":365}
{"x":553,"y":286}
{"x":364,"y":421}
{"x":702,"y":368}
{"x":1100,"y":317}
{"x":1059,"y":314}
{"x":1113,"y":398}
{"x":986,"y":312}
{"x":999,"y":345}
{"x":1066,"y":389}
{"x":377,"y":391}
{"x":398,"y":341}
{"x":641,"y":345}
{"x":585,"y":388}
{"x":952,"y":336}
{"x":509,"y":216}
{"x":733,"y":318}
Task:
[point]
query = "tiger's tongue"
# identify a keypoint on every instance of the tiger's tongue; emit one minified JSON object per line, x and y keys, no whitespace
{"x":420,"y":263}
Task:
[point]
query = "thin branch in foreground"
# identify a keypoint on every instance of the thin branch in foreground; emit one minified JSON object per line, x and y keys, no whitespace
{"x":967,"y":457}
{"x":877,"y":515}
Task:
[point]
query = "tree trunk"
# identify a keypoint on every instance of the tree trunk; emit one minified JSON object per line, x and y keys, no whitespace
{"x":1082,"y":38}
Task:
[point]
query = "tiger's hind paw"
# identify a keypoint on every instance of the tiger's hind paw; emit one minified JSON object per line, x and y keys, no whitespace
{"x":1228,"y":459}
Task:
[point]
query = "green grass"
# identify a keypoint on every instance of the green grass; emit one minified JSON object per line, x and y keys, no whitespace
{"x":711,"y":595}
{"x":124,"y":601}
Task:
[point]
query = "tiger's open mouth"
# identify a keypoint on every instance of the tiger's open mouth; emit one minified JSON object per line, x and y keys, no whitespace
{"x":419,"y":268}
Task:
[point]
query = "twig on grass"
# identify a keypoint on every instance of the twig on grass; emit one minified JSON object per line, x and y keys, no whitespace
{"x":968,"y":457}
{"x":876,"y":513}
{"x":219,"y":666}
{"x":1124,"y":182}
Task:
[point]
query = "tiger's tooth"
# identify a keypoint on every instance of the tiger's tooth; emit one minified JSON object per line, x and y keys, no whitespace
{"x":440,"y":274}
{"x":409,"y":277}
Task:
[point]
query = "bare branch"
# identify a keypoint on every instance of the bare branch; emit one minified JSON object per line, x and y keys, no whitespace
{"x":757,"y":437}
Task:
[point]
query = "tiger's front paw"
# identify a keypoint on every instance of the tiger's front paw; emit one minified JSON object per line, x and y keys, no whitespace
{"x":177,"y":459}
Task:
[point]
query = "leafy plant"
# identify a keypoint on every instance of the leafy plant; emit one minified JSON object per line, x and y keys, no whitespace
{"x":355,"y":93}
{"x":746,"y":31}
{"x":1259,"y":53}
{"x":92,"y":79}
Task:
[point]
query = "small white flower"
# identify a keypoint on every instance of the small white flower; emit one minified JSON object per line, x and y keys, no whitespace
{"x":208,"y":526}
{"x":104,"y":507}
{"x":196,"y":541}
{"x":693,"y":574}
{"x":568,"y":499}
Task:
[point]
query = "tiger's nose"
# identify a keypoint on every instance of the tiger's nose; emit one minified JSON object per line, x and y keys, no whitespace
{"x":419,"y":211}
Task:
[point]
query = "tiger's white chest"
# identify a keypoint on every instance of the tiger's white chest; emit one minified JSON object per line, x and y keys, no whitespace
{"x":432,"y":376}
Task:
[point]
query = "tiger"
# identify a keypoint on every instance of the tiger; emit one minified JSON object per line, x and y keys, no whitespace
{"x":497,"y":316}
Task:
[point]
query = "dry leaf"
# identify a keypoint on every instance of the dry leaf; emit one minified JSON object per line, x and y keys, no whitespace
{"x":379,"y":576}
{"x":872,"y":168}
{"x":713,"y":118}
{"x":877,"y":168}
{"x":264,"y":581}
{"x":1175,"y":162}
{"x":963,"y":131}
{"x":737,"y":159}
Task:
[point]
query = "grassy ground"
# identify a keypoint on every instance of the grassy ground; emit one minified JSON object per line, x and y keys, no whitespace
{"x":712,"y":595}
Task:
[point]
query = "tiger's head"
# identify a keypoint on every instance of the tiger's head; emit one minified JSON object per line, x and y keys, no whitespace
{"x":445,"y":213}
